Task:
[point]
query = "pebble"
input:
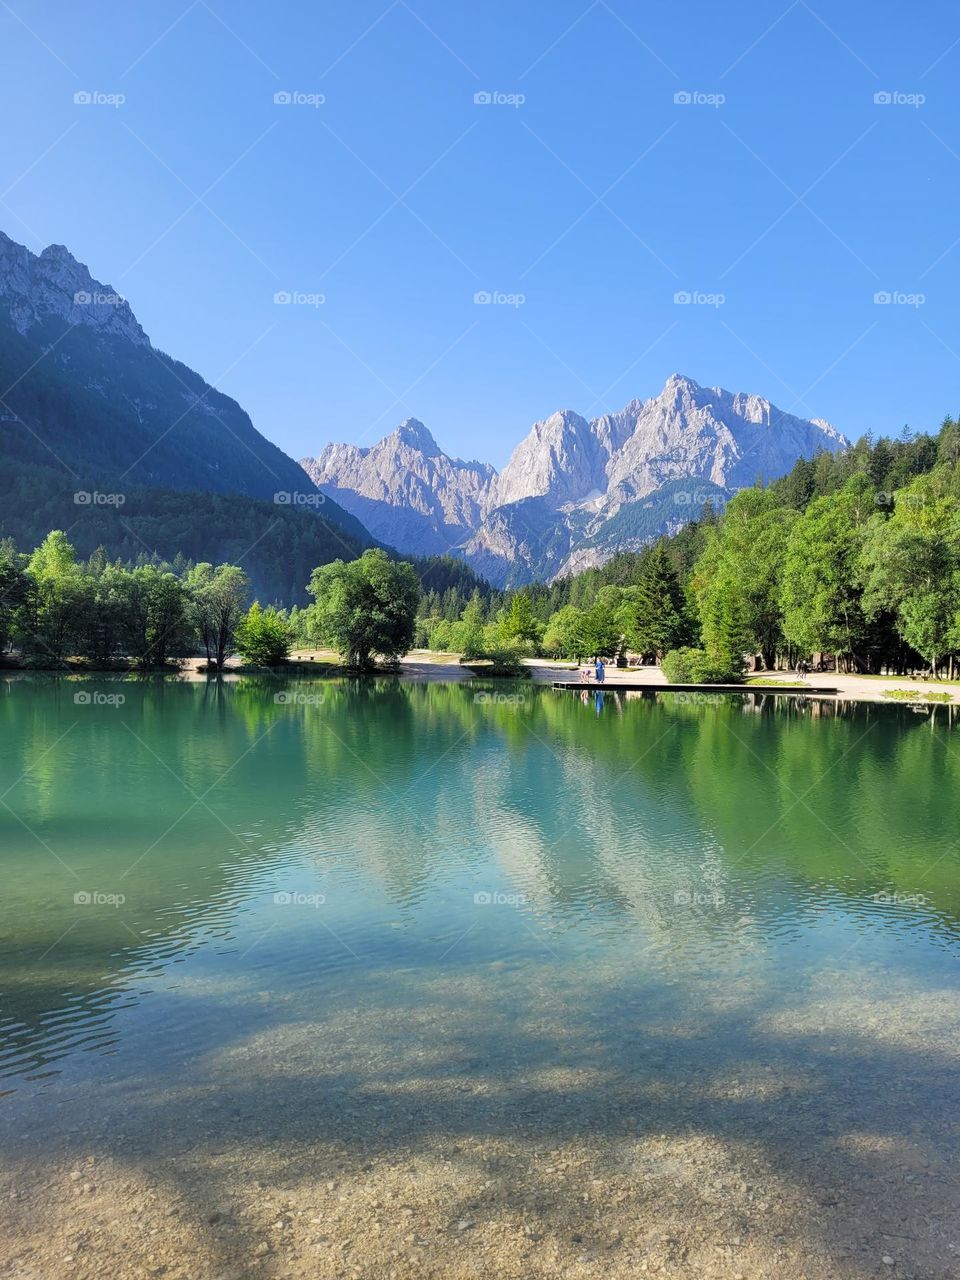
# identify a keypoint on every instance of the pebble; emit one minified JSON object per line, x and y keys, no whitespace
{"x":887,"y":1260}
{"x":464,"y":1224}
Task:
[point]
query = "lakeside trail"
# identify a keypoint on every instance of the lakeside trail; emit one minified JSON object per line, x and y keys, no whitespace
{"x":424,"y":665}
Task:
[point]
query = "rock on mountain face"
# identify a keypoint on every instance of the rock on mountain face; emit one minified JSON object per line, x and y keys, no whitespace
{"x":707,"y":433}
{"x":574,"y":491}
{"x":561,"y":460}
{"x":55,"y":285}
{"x":405,"y":489}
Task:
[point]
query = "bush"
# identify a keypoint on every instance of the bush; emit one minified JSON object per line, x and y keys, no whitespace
{"x":498,"y":662}
{"x":263,"y":637}
{"x":696,"y":666}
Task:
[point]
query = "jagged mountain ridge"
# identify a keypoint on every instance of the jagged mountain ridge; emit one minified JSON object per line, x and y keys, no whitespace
{"x":574,"y":491}
{"x":405,"y":489}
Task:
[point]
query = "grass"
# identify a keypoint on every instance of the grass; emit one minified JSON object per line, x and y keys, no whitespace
{"x":776,"y":684}
{"x":910,"y":695}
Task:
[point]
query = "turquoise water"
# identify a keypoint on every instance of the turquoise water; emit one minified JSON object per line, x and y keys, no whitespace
{"x":376,"y":881}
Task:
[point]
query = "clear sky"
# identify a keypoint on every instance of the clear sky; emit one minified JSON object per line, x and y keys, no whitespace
{"x":782,"y":198}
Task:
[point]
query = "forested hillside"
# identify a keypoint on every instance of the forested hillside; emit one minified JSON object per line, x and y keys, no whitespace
{"x":855,"y":555}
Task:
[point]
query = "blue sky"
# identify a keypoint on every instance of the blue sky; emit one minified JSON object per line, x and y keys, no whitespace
{"x":782,"y":198}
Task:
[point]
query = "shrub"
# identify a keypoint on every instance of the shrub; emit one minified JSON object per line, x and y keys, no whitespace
{"x":263,"y":637}
{"x":696,"y":666}
{"x":499,"y":662}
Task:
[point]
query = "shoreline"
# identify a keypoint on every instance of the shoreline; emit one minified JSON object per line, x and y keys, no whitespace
{"x":426,"y":666}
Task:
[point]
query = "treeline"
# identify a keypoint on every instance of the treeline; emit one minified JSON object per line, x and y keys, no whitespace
{"x":55,"y":607}
{"x":852,"y":557}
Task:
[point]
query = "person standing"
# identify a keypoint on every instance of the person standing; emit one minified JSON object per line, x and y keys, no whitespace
{"x":600,"y":671}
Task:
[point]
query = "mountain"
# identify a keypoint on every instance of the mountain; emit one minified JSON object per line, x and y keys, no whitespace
{"x":89,"y":406}
{"x":406,"y":490}
{"x":574,"y":491}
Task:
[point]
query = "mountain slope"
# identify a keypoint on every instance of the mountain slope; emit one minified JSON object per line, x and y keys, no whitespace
{"x":88,"y":404}
{"x":574,"y":491}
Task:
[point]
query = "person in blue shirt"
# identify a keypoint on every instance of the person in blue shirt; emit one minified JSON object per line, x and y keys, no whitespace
{"x":600,"y":671}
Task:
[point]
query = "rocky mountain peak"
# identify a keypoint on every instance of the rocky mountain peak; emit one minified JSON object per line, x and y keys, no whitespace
{"x":572,"y":487}
{"x":53,"y":284}
{"x":415,"y":435}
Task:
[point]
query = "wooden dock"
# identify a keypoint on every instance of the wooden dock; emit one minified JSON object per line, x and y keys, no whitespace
{"x":787,"y":690}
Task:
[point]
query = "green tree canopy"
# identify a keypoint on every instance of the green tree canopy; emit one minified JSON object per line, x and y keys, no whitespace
{"x":365,"y":608}
{"x":263,"y":636}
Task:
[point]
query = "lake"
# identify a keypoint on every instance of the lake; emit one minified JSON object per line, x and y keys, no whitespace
{"x":371,"y":978}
